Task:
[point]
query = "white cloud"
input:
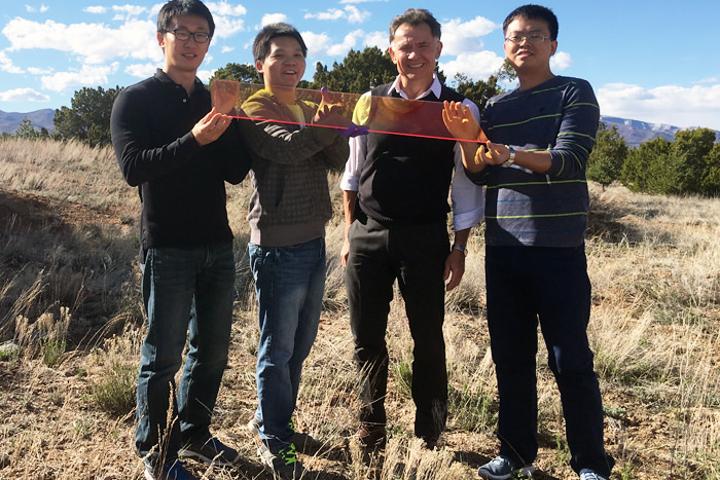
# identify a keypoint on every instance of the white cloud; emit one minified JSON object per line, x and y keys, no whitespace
{"x":6,"y":64}
{"x":226,"y":9}
{"x":685,"y":107}
{"x":351,"y":13}
{"x":131,"y":10}
{"x":226,"y":49}
{"x":331,"y":14}
{"x":127,"y":12}
{"x":477,"y":65}
{"x":269,"y":18}
{"x":94,"y":43}
{"x":560,"y":61}
{"x":141,"y":70}
{"x":227,"y":18}
{"x":377,"y":39}
{"x":95,"y":9}
{"x":346,"y":2}
{"x":23,"y":95}
{"x":205,"y":75}
{"x":355,"y":15}
{"x":340,"y":49}
{"x":464,"y":37}
{"x":317,"y":43}
{"x":88,"y":75}
{"x":41,"y":9}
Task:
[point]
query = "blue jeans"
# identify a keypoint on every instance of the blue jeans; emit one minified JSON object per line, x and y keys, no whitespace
{"x":289,"y":284}
{"x":188,"y":295}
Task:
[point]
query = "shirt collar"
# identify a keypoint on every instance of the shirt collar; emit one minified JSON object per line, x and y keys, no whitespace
{"x":435,"y":88}
{"x":163,"y":77}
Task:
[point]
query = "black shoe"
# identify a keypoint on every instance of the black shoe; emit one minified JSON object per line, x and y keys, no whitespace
{"x":209,"y":450}
{"x":371,"y":436}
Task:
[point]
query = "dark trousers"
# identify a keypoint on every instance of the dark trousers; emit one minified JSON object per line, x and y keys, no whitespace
{"x":524,"y":285}
{"x":415,"y":256}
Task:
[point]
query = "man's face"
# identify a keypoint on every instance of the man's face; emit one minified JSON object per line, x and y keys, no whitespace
{"x":184,"y":55}
{"x":284,"y":66}
{"x":531,"y":48}
{"x":414,"y":51}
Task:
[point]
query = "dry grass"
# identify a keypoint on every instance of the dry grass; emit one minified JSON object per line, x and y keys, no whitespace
{"x":69,"y":299}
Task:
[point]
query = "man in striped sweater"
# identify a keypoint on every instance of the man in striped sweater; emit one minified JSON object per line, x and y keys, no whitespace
{"x":536,"y":214}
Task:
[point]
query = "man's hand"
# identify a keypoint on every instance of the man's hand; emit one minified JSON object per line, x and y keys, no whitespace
{"x":210,"y":127}
{"x":494,"y":153}
{"x":329,"y":112}
{"x":224,"y":94}
{"x":454,"y":269}
{"x":345,"y":251}
{"x":459,"y":121}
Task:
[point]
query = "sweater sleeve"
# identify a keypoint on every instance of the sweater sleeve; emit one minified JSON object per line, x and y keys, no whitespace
{"x":576,"y":136}
{"x":275,"y":141}
{"x":139,"y":160}
{"x":233,"y":152}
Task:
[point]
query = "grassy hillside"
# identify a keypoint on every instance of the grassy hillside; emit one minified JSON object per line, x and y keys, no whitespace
{"x":70,"y":313}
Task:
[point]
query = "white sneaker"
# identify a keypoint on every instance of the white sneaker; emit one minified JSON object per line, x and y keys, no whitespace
{"x":587,"y":474}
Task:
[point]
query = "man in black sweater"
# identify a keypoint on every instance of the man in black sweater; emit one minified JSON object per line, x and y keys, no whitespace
{"x":175,"y":149}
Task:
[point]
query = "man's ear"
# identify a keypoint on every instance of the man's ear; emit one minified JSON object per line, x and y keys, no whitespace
{"x":259,"y":66}
{"x":161,"y":39}
{"x":553,"y":45}
{"x":439,"y":50}
{"x":391,"y":52}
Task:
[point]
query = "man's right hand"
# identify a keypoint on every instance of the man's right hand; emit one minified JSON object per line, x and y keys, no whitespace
{"x":459,"y":121}
{"x":210,"y":127}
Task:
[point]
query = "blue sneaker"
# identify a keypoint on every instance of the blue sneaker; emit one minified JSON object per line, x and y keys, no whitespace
{"x":502,"y":468}
{"x":587,"y":474}
{"x":170,"y":471}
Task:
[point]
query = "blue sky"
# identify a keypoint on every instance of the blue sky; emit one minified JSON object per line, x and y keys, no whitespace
{"x":647,"y":60}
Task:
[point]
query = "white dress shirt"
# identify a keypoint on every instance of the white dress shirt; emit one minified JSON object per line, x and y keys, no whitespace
{"x":468,"y":199}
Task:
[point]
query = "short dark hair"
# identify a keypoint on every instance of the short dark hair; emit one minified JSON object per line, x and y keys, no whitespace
{"x":261,"y":45}
{"x":177,"y":8}
{"x":414,"y":17}
{"x":535,"y":12}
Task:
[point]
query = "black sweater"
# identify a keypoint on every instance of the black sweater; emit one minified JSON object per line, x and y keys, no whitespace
{"x":181,"y":184}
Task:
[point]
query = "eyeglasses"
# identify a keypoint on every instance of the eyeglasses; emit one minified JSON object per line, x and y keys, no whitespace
{"x":530,"y":37}
{"x":184,"y":36}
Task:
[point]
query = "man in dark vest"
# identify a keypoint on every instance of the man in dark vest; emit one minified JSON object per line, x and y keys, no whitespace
{"x":395,"y":204}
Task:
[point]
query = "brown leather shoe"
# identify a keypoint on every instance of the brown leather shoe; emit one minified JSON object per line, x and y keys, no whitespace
{"x":371,"y":436}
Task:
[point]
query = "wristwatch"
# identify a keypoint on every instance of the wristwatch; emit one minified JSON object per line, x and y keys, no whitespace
{"x":511,"y":157}
{"x":460,"y":247}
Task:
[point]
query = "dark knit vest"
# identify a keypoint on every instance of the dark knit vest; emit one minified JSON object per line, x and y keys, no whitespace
{"x":405,"y":180}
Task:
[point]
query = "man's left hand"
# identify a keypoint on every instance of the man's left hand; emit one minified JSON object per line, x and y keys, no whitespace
{"x":454,"y":269}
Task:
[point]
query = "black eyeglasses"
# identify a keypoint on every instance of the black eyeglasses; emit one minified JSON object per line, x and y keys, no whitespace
{"x":530,"y":37}
{"x":184,"y":36}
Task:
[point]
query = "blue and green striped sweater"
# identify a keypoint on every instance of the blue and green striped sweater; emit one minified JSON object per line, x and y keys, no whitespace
{"x":530,"y":209}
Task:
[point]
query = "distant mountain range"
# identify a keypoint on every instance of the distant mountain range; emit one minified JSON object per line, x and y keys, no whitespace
{"x":10,"y":121}
{"x":634,"y":132}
